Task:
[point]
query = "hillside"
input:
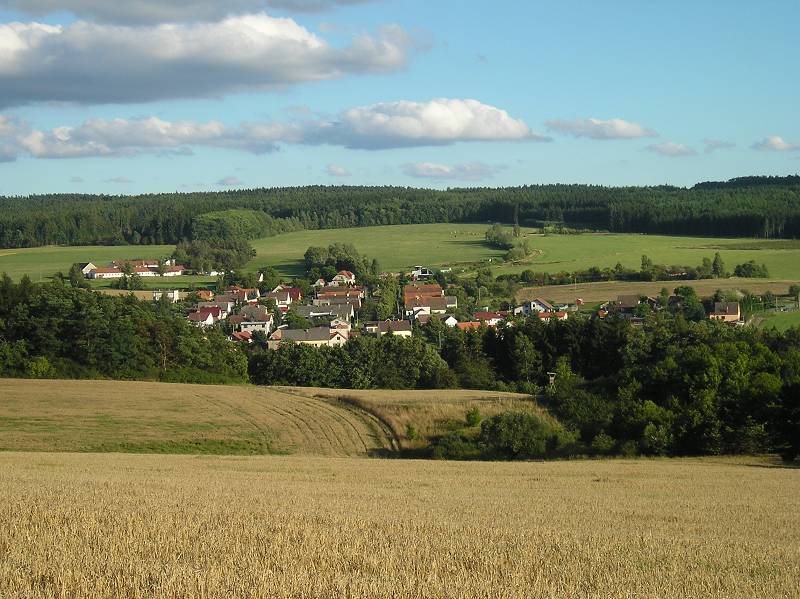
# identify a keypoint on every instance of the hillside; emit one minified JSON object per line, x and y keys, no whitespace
{"x":144,"y":417}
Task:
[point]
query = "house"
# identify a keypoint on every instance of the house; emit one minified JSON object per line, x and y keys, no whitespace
{"x":420,"y":272}
{"x":491,"y":319}
{"x":319,"y":283}
{"x":282,"y":299}
{"x":317,"y":337}
{"x":294,"y":292}
{"x":173,"y":296}
{"x":533,"y":306}
{"x":86,"y":267}
{"x":726,"y":312}
{"x":340,"y":324}
{"x":335,"y":291}
{"x":341,"y":311}
{"x":225,"y":307}
{"x":136,"y":263}
{"x":430,"y":305}
{"x":205,"y":317}
{"x":626,"y":305}
{"x":243,"y":295}
{"x":401,"y":328}
{"x":558,"y":315}
{"x":343,"y":277}
{"x":105,"y":273}
{"x":469,"y":326}
{"x":447,"y":319}
{"x":242,"y":336}
{"x":355,"y":302}
{"x":205,"y":295}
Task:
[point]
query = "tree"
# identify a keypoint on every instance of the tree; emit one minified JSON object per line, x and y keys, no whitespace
{"x":718,"y":267}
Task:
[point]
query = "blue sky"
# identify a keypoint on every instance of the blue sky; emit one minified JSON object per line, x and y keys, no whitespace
{"x":125,"y":98}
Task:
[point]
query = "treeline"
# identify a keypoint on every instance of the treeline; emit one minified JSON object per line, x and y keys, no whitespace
{"x":58,"y":331}
{"x":752,"y":207}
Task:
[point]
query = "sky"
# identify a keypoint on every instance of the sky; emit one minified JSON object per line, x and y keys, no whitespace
{"x":148,"y":96}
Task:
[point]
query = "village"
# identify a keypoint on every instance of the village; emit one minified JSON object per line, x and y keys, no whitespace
{"x":330,"y":312}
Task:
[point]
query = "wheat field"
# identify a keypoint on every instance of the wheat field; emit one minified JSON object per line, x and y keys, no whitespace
{"x":122,"y":525}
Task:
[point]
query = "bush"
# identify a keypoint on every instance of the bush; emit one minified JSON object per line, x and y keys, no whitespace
{"x":602,"y":444}
{"x":473,"y":417}
{"x":522,"y":435}
{"x":411,"y":432}
{"x":455,"y":447}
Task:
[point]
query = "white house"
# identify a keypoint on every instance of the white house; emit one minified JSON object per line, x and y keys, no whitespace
{"x":343,"y":277}
{"x":420,"y":272}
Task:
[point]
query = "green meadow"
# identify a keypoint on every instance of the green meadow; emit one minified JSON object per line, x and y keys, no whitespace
{"x":459,"y":246}
{"x":781,"y":320}
{"x":399,"y":247}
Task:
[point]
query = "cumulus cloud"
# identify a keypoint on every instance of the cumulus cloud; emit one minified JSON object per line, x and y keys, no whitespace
{"x":380,"y":126}
{"x":335,"y":170}
{"x":95,"y":63}
{"x":473,"y":171}
{"x":712,"y":145}
{"x":600,"y":129}
{"x":161,"y":11}
{"x":774,"y":143}
{"x":440,"y":121}
{"x":671,"y":149}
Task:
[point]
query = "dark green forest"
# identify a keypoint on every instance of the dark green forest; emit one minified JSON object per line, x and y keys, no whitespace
{"x":746,"y":207}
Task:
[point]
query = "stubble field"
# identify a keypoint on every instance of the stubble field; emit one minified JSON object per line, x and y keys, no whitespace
{"x":94,"y":525}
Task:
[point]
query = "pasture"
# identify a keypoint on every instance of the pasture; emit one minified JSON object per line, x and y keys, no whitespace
{"x":114,"y":525}
{"x":460,"y":246}
{"x":398,"y":247}
{"x":780,"y":320}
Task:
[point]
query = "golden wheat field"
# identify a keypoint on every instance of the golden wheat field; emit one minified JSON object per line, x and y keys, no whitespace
{"x":122,"y":525}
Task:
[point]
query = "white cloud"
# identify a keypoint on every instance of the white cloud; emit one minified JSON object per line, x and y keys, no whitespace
{"x":600,"y":129}
{"x":473,"y":171}
{"x":119,"y":180}
{"x":712,"y":145}
{"x":165,"y":11}
{"x":230,"y":181}
{"x":380,"y":126}
{"x":90,"y":63}
{"x":671,"y":149}
{"x":335,"y":170}
{"x":440,"y":121}
{"x":774,"y":143}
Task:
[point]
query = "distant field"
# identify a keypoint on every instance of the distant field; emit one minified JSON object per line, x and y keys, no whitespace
{"x":141,"y":417}
{"x":42,"y":262}
{"x":402,"y":246}
{"x":781,"y":320}
{"x":105,"y":525}
{"x":398,"y":247}
{"x":600,"y":292}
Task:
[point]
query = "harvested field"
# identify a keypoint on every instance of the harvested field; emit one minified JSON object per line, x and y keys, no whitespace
{"x":600,"y":292}
{"x":91,"y":526}
{"x":430,"y":413}
{"x":142,"y":417}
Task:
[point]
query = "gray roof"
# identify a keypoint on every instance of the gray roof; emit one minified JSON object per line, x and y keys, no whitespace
{"x":315,"y":334}
{"x":336,"y":311}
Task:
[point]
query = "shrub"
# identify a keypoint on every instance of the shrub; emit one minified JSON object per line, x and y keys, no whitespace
{"x":521,"y":435}
{"x":473,"y":417}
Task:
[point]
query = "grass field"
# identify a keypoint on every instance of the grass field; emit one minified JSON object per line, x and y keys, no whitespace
{"x":436,"y":245}
{"x":399,"y":247}
{"x":94,"y":525}
{"x":600,"y":292}
{"x":143,"y":417}
{"x":781,"y":320}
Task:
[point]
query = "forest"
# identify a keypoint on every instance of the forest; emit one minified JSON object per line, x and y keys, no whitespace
{"x":767,"y":207}
{"x":674,"y":386}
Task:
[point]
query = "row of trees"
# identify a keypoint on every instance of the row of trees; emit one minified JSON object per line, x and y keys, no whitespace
{"x":760,"y":207}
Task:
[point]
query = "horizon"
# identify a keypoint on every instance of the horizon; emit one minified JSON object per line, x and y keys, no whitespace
{"x":137,"y":98}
